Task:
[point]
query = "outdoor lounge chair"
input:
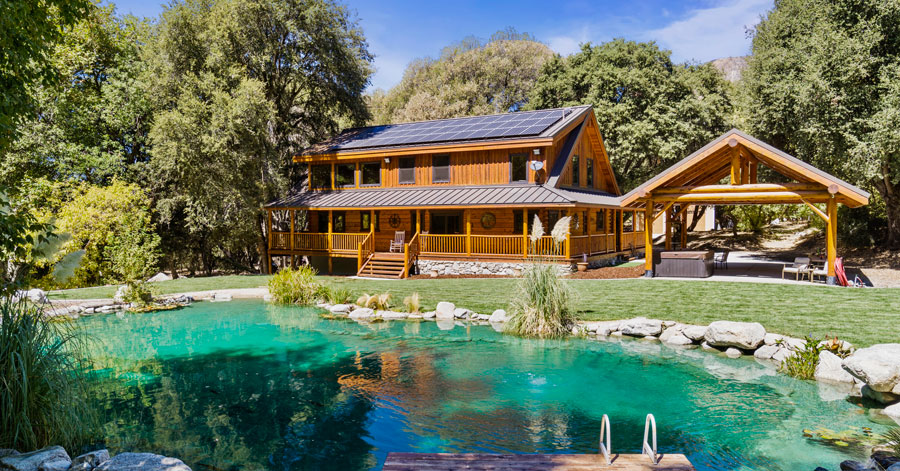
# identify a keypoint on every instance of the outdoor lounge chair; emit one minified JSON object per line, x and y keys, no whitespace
{"x":721,"y":259}
{"x":799,"y":268}
{"x":397,"y":243}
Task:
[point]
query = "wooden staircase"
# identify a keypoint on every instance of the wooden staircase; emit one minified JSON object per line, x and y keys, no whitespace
{"x":383,"y":265}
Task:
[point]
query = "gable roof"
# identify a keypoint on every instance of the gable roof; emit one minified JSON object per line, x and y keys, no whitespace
{"x":539,"y":126}
{"x":716,"y":158}
{"x":448,"y":196}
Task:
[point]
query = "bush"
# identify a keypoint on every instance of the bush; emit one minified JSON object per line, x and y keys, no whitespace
{"x":412,"y":303}
{"x":803,"y":362}
{"x":542,"y":307}
{"x":381,"y":302}
{"x":43,"y":389}
{"x":295,"y":286}
{"x":138,"y":292}
{"x":335,"y":295}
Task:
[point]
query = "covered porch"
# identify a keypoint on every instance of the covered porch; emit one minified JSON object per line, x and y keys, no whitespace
{"x":727,"y":171}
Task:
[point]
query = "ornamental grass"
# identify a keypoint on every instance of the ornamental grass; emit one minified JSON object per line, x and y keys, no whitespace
{"x":295,"y":286}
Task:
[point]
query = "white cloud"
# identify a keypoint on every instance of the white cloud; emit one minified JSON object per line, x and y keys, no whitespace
{"x":569,"y":44}
{"x":710,"y":33}
{"x":389,"y":70}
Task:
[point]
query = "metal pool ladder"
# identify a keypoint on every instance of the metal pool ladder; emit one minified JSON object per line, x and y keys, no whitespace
{"x":646,"y":449}
{"x":605,"y":433}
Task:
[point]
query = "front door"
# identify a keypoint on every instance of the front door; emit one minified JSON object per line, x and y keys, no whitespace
{"x":446,"y":222}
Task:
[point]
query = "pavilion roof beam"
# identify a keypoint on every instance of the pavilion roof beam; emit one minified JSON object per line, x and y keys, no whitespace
{"x":770,"y":197}
{"x":759,"y":187}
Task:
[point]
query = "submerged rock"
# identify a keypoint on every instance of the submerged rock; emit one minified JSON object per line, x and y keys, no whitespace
{"x":851,"y":465}
{"x":732,"y":352}
{"x":142,"y":462}
{"x":52,"y":458}
{"x":743,"y":335}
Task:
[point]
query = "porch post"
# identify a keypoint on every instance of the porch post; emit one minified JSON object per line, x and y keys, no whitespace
{"x":292,"y":235}
{"x":567,"y":249}
{"x":524,"y":232}
{"x":587,"y":228}
{"x":372,"y":223}
{"x":418,"y":221}
{"x":468,"y":234}
{"x":648,"y":239}
{"x":330,"y":223}
{"x":831,"y":239}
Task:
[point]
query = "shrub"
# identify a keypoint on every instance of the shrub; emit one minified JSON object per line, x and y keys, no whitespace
{"x":138,"y":292}
{"x":803,"y":362}
{"x":542,"y":306}
{"x":335,"y":295}
{"x":43,"y":389}
{"x":412,"y":303}
{"x":295,"y":286}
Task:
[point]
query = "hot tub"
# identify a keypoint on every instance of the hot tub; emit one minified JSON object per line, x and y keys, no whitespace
{"x":686,"y":264}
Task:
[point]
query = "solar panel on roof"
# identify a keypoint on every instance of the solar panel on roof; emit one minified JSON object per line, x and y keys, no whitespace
{"x":520,"y":124}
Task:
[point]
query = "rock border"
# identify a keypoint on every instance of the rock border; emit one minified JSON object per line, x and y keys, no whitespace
{"x":55,"y":458}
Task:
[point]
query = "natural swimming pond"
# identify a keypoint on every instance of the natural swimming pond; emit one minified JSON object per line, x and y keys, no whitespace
{"x":247,"y":385}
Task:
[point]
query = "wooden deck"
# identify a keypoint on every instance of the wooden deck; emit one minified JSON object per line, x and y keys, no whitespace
{"x":530,"y":462}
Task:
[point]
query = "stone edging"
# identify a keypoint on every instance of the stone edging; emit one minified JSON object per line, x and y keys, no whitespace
{"x":55,"y":458}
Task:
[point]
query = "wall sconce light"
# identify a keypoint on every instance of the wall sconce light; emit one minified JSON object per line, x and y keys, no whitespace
{"x":387,"y":160}
{"x":537,"y":152}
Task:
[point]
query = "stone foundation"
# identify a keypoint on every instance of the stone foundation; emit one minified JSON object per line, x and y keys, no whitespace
{"x":469,"y":267}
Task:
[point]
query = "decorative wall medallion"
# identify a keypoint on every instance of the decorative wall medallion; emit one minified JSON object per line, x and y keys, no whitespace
{"x":394,"y":220}
{"x":488,"y":220}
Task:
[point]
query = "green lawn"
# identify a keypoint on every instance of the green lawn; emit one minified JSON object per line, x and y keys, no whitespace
{"x":862,"y":316}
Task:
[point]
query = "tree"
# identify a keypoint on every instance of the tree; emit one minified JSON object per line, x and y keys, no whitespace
{"x":823,"y":84}
{"x":651,"y":112}
{"x":30,"y":28}
{"x":241,"y":87}
{"x":472,"y":77}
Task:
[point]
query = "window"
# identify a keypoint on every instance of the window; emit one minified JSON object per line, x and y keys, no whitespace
{"x":440,"y":169}
{"x":517,"y":220}
{"x":589,"y":169}
{"x":627,"y":222}
{"x":446,"y":222}
{"x":576,"y":171}
{"x":370,"y":173}
{"x":339,"y":223}
{"x":322,"y":225}
{"x":345,"y":175}
{"x":518,"y":167}
{"x":552,"y":217}
{"x":601,"y":221}
{"x":320,"y":176}
{"x":365,"y":221}
{"x":407,"y":170}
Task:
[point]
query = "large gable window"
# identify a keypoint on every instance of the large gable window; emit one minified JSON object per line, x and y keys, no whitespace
{"x":518,"y":167}
{"x":440,"y":169}
{"x":576,"y":171}
{"x":345,"y":175}
{"x":320,"y":176}
{"x":370,"y":173}
{"x":589,"y":173}
{"x":407,"y":173}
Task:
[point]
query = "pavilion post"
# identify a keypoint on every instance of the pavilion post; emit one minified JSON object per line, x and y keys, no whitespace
{"x":684,"y":219}
{"x":648,"y":239}
{"x":669,"y":216}
{"x":831,"y":240}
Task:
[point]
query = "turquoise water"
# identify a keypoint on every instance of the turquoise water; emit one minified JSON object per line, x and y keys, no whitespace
{"x":246,"y":385}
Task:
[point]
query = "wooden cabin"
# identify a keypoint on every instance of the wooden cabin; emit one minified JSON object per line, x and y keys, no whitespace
{"x":462,"y":191}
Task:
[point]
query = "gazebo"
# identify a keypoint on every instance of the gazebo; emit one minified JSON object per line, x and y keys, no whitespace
{"x":724,"y":172}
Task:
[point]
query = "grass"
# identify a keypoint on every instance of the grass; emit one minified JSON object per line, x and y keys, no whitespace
{"x":861,"y":316}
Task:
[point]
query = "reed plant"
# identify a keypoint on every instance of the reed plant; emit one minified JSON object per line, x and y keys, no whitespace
{"x":295,"y":286}
{"x":380,"y":302}
{"x":543,"y":303}
{"x":335,"y":295}
{"x":892,"y":437}
{"x":44,"y":397}
{"x":412,"y":303}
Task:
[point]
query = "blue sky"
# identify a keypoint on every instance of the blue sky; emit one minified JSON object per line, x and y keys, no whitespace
{"x":402,"y":30}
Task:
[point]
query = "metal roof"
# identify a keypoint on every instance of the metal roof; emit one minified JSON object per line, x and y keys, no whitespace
{"x":501,"y":127}
{"x":448,"y":196}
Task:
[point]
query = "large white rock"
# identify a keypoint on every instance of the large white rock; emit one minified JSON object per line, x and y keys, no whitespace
{"x":444,"y":310}
{"x":766,"y":352}
{"x":694,"y":332}
{"x":601,"y":328}
{"x":161,"y":276}
{"x":674,"y":336}
{"x":498,"y":316}
{"x":782,"y":354}
{"x":878,"y":366}
{"x":893,"y":412}
{"x":641,"y":327}
{"x":461,"y":313}
{"x":52,"y":457}
{"x":142,"y":462}
{"x":829,"y":369}
{"x":92,"y":459}
{"x":428,"y":315}
{"x":36,"y":295}
{"x":340,"y":308}
{"x":744,"y":335}
{"x":361,"y":313}
{"x":392,"y":315}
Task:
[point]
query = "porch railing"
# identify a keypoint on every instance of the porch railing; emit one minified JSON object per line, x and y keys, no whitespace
{"x":410,"y":252}
{"x":437,"y":244}
{"x":315,"y":241}
{"x":364,"y":249}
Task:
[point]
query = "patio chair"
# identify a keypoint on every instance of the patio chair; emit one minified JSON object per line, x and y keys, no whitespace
{"x":816,"y":269}
{"x":399,"y":240}
{"x":799,"y":268}
{"x":721,"y":259}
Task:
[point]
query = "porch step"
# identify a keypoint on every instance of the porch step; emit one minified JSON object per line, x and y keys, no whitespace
{"x":383,"y":265}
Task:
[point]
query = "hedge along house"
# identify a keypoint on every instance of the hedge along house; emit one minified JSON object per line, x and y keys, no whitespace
{"x":726,"y":172}
{"x":460,"y":191}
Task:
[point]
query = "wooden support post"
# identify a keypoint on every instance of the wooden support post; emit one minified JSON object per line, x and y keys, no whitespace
{"x":745,"y":171}
{"x":754,"y":168}
{"x":328,"y":242}
{"x":293,"y":214}
{"x":669,"y":217}
{"x":684,"y":219}
{"x":332,"y":176}
{"x":619,"y":230}
{"x":468,"y":233}
{"x":648,"y":239}
{"x":372,"y":223}
{"x":735,"y":168}
{"x":418,"y":221}
{"x":525,"y":233}
{"x":831,"y":240}
{"x":587,"y":230}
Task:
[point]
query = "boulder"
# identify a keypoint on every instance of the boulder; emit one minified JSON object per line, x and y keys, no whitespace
{"x":893,"y":411}
{"x":732,"y":352}
{"x":37,"y":296}
{"x":878,"y":366}
{"x":676,"y":339}
{"x":498,"y":316}
{"x":885,"y":459}
{"x":50,"y":458}
{"x":142,"y":462}
{"x":782,"y":354}
{"x":392,"y":315}
{"x":362,"y":313}
{"x":766,"y":352}
{"x":694,"y":332}
{"x":879,"y":396}
{"x":641,"y":327}
{"x":851,"y":465}
{"x":4,"y":452}
{"x":341,"y":308}
{"x":445,"y":310}
{"x":94,"y":458}
{"x":461,"y":313}
{"x":602,"y":328}
{"x":429,"y":315}
{"x":829,"y":369}
{"x":222,"y":297}
{"x":161,"y":276}
{"x":743,"y":335}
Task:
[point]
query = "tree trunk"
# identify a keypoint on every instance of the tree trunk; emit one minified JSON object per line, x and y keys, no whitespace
{"x":263,"y":245}
{"x":173,"y":267}
{"x":890,"y":193}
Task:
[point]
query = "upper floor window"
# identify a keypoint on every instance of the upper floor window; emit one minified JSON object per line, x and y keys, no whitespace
{"x":518,"y":167}
{"x":440,"y":169}
{"x":407,"y":174}
{"x":589,"y":173}
{"x":320,"y":176}
{"x":370,"y":173}
{"x":576,"y":171}
{"x":345,"y":175}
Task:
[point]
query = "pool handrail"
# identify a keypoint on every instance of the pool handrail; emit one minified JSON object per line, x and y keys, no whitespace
{"x":605,"y":432}
{"x":646,"y":449}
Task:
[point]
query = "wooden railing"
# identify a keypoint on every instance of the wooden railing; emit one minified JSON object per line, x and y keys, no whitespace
{"x":310,"y":241}
{"x":410,"y":252}
{"x":443,"y":243}
{"x":546,"y":246}
{"x":347,"y":242}
{"x":364,"y":249}
{"x":281,"y":240}
{"x":497,"y":245}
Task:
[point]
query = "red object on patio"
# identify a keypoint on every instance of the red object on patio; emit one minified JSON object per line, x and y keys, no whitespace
{"x":839,"y":271}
